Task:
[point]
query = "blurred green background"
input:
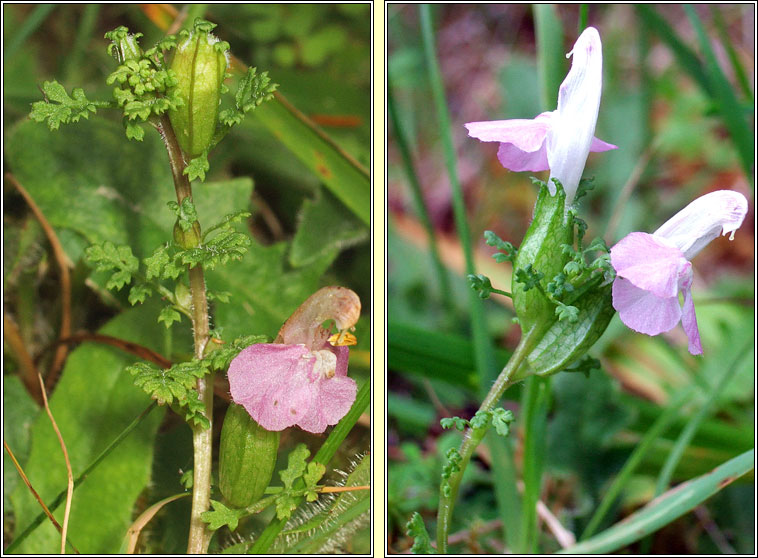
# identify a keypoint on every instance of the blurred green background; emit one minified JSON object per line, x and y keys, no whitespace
{"x":680,"y":106}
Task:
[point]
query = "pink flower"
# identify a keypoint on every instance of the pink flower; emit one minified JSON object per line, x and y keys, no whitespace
{"x":562,"y":139}
{"x":652,"y":269}
{"x":288,"y":385}
{"x":301,"y":379}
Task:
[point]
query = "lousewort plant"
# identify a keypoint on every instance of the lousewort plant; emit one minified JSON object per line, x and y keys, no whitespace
{"x":565,"y":291}
{"x":177,"y":87}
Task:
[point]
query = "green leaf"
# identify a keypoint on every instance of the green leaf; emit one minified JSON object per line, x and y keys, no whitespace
{"x":454,"y":422}
{"x":666,"y":508}
{"x":226,"y":245}
{"x":220,"y":358}
{"x":92,"y":403}
{"x":296,"y":465}
{"x":227,"y":221}
{"x":348,"y":180}
{"x":221,"y":515}
{"x":326,"y":227}
{"x":501,"y":420}
{"x":138,"y":293}
{"x":91,"y":166}
{"x":63,"y":109}
{"x":197,"y":168}
{"x":185,"y":212}
{"x":19,"y":414}
{"x":109,"y":257}
{"x":416,"y":529}
{"x":311,"y":477}
{"x":168,"y":316}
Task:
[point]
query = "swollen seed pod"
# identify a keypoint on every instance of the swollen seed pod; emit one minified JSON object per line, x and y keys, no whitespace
{"x":247,"y":456}
{"x":199,"y":63}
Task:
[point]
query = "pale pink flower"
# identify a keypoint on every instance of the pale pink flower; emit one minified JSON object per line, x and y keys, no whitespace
{"x":652,"y":269}
{"x":562,"y":139}
{"x":290,"y":385}
{"x":301,"y":378}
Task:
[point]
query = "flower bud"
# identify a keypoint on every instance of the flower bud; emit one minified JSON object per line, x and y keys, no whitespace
{"x":200,"y":64}
{"x":187,"y":239}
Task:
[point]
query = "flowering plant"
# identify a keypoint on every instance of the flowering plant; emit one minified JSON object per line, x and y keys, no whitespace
{"x":565,"y":290}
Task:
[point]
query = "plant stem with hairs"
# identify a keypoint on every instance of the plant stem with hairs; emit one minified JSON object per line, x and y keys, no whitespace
{"x":474,"y":436}
{"x":202,"y":438}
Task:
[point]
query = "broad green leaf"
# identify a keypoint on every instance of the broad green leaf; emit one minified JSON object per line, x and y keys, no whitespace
{"x":666,"y":508}
{"x":264,"y":291}
{"x":326,"y":227}
{"x":84,"y":179}
{"x":347,"y":180}
{"x":19,"y":413}
{"x":92,"y":403}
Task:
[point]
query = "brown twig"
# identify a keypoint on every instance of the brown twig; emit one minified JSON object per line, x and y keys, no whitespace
{"x":25,"y":362}
{"x":127,"y":346}
{"x":50,"y":516}
{"x":62,"y":261}
{"x":69,"y":472}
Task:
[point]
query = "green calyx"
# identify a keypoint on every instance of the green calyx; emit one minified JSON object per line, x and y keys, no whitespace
{"x":562,"y":302}
{"x":199,"y":64}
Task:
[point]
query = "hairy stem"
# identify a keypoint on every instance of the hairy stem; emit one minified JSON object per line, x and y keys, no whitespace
{"x":202,"y":438}
{"x":473,"y":437}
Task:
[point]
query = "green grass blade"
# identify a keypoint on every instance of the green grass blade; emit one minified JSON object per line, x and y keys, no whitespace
{"x":666,"y":508}
{"x":684,"y":54}
{"x":583,"y":16}
{"x":29,"y":26}
{"x":418,"y":200}
{"x":535,"y":403}
{"x":483,"y":351}
{"x":723,"y":94}
{"x":442,"y":356}
{"x":550,"y":55}
{"x":346,"y":178}
{"x":726,"y":40}
{"x":644,"y":445}
{"x":693,"y":425}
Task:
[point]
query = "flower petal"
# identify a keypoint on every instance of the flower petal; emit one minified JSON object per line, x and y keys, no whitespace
{"x":691,"y":229}
{"x":512,"y":158}
{"x":268,"y":380}
{"x":334,"y":397}
{"x":649,"y":263}
{"x":642,"y":311}
{"x":598,"y":146}
{"x":525,"y":135}
{"x":572,"y":133}
{"x":689,"y":323}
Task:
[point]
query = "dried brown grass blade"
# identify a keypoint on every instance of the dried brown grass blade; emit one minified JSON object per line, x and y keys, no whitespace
{"x":133,"y":533}
{"x":25,"y":362}
{"x":62,"y":261}
{"x":69,"y":472}
{"x":34,"y":493}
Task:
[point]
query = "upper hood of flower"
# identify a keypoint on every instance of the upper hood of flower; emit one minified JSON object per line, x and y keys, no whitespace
{"x":690,"y":230}
{"x":569,"y":142}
